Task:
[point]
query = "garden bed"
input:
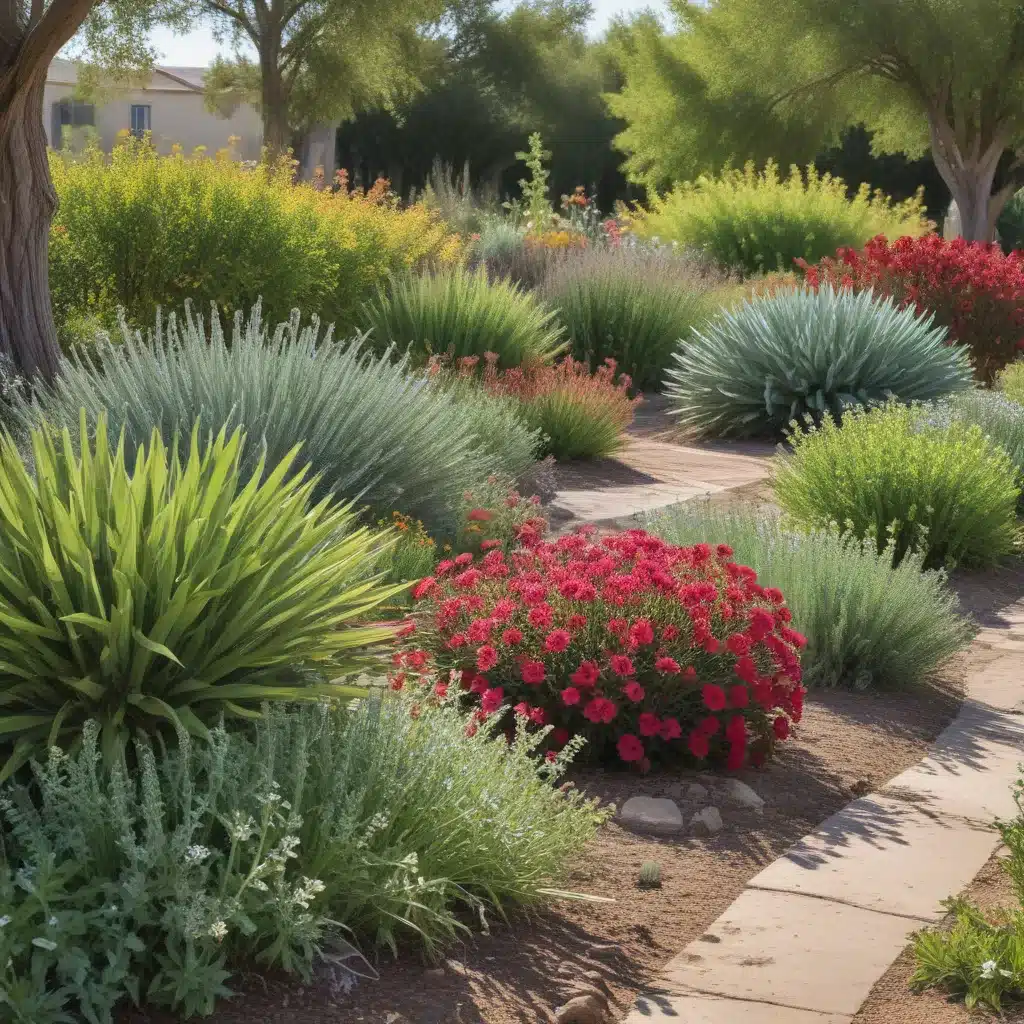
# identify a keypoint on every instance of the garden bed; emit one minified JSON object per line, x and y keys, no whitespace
{"x":846,"y":744}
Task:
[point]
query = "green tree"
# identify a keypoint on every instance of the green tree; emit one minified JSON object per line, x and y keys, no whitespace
{"x":746,"y":79}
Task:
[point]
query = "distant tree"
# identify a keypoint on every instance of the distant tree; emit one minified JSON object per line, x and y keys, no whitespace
{"x":742,"y":79}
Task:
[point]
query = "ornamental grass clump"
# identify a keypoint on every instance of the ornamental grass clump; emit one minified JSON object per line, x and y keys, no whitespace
{"x":646,"y":649}
{"x":868,"y":623}
{"x":759,"y":221}
{"x":460,"y":313}
{"x":793,"y":353}
{"x":972,"y":289}
{"x":629,"y":305}
{"x":890,"y":477}
{"x":371,"y":431}
{"x":163,"y":595}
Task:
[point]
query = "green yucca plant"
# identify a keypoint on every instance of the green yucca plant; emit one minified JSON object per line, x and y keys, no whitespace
{"x":796,"y":352}
{"x":891,"y":477}
{"x":371,"y":431}
{"x":168,"y":595}
{"x":628,"y":305}
{"x":461,"y":313}
{"x":868,"y":623}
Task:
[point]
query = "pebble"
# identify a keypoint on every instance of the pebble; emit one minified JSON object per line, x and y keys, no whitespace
{"x":653,"y":814}
{"x":740,"y":793}
{"x":697,"y":792}
{"x":602,"y":950}
{"x":582,"y":1010}
{"x":709,"y":820}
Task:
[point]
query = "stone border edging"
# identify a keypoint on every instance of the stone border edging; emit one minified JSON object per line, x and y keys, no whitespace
{"x":807,"y":939}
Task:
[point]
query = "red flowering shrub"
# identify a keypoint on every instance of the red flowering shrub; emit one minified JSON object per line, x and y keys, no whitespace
{"x":643,"y":647}
{"x":974,"y":289}
{"x":496,"y":516}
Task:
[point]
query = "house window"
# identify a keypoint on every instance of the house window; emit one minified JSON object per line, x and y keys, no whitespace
{"x":70,"y":114}
{"x":141,"y":120}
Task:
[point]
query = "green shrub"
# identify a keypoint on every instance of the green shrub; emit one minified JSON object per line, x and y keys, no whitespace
{"x":980,"y":956}
{"x":756,"y":222}
{"x":1011,"y":382}
{"x":889,"y":476}
{"x":461,"y":313}
{"x":370,"y":431}
{"x":148,"y":883}
{"x":169,"y":593}
{"x":1001,"y":420}
{"x":1010,"y":226}
{"x":787,"y":354}
{"x":868,"y":623}
{"x":141,"y":231}
{"x":628,"y":305}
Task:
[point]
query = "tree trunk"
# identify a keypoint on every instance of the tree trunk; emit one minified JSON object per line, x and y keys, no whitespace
{"x":27,"y":204}
{"x":274,"y":108}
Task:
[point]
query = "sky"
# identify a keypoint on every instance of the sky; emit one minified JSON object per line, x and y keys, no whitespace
{"x":197,"y":49}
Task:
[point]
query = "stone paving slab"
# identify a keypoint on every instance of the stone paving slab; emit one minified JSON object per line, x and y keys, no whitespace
{"x":790,"y":950}
{"x":869,"y":855}
{"x":689,"y":1009}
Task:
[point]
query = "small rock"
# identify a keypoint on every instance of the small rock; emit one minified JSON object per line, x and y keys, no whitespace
{"x":602,"y":950}
{"x":595,"y":976}
{"x":740,"y":793}
{"x":709,"y":821}
{"x":434,"y":972}
{"x":456,"y":967}
{"x":861,"y":787}
{"x":582,"y":1010}
{"x":568,"y":970}
{"x":697,"y":792}
{"x":653,"y":814}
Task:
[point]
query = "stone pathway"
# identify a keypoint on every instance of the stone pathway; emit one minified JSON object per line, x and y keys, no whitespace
{"x":812,"y":933}
{"x":649,"y":474}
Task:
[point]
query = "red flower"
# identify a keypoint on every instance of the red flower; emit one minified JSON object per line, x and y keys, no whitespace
{"x":406,"y":629}
{"x":512,"y":636}
{"x":397,"y":681}
{"x":491,"y":699}
{"x":576,"y":622}
{"x":723,"y":551}
{"x":670,"y":729}
{"x":540,"y":616}
{"x":457,"y":640}
{"x":417,"y":659}
{"x":423,"y":588}
{"x":557,"y":640}
{"x":486,"y":658}
{"x":532,"y":672}
{"x":710,"y":644}
{"x":630,"y":748}
{"x":746,"y":669}
{"x":773,"y":595}
{"x":690,"y":672}
{"x":736,"y":729}
{"x":600,"y":709}
{"x":667,"y":666}
{"x":641,"y":633}
{"x":781,"y":727}
{"x":670,"y":633}
{"x":440,"y":690}
{"x":570,"y":696}
{"x":488,"y":545}
{"x":736,"y":757}
{"x":739,"y":696}
{"x":479,"y":515}
{"x":586,"y":674}
{"x":709,"y":725}
{"x":698,"y":744}
{"x":480,"y":629}
{"x":634,"y":691}
{"x":464,"y":559}
{"x":737,"y":643}
{"x":522,"y":709}
{"x":559,"y":737}
{"x":621,"y":665}
{"x":713,"y":697}
{"x":649,"y":724}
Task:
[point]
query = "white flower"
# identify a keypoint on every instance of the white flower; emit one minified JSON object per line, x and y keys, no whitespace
{"x":4,"y":921}
{"x":195,"y":854}
{"x":52,"y":922}
{"x":218,"y":930}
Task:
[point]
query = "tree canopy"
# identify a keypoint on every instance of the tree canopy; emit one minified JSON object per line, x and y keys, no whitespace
{"x":747,"y":79}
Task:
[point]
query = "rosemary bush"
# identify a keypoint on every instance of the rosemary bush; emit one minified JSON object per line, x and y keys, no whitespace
{"x":889,"y":476}
{"x":795,"y":352}
{"x":276,"y":846}
{"x":868,"y":623}
{"x":372,"y":432}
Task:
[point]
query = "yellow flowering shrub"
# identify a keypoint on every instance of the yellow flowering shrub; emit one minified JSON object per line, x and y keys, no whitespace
{"x":140,"y":230}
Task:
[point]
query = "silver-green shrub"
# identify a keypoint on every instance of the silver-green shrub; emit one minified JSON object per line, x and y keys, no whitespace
{"x":371,"y":430}
{"x":263,"y":849}
{"x":867,"y":623}
{"x":800,"y":352}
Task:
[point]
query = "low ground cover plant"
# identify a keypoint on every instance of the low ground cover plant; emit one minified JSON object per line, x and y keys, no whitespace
{"x":980,"y":955}
{"x":973,"y":289}
{"x":868,"y":623}
{"x":759,"y":221}
{"x":141,"y":231}
{"x":646,"y":649}
{"x":459,"y":313}
{"x":1011,"y":381}
{"x":372,"y":431}
{"x":629,"y":305}
{"x":162,"y":597}
{"x":889,"y":476}
{"x":153,"y":881}
{"x":795,"y":352}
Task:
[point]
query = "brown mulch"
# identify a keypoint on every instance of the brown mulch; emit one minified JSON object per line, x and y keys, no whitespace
{"x":847,"y":744}
{"x":892,"y":1002}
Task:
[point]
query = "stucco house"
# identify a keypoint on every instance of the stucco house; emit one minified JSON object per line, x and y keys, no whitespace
{"x":170,"y":106}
